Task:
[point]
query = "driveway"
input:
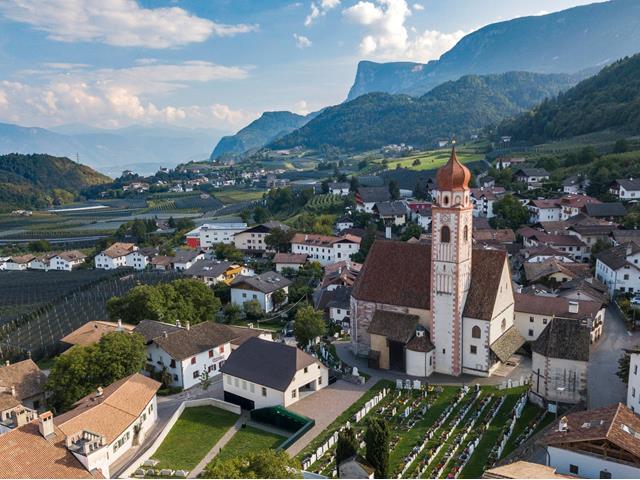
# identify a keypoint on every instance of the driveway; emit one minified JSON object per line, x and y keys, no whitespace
{"x":604,"y":386}
{"x":324,"y":406}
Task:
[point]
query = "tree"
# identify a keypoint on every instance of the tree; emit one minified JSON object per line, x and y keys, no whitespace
{"x":412,"y":230}
{"x":278,"y":297}
{"x":366,"y":244}
{"x":325,"y":186}
{"x":228,"y":251}
{"x":279,"y":239}
{"x":222,"y":291}
{"x":376,"y":439}
{"x":509,"y":213}
{"x":347,"y":445}
{"x":354,"y":184}
{"x":394,"y":190}
{"x":624,"y":363}
{"x":144,"y":302}
{"x":232,"y":312}
{"x":245,"y":215}
{"x":39,"y":246}
{"x":309,"y":324}
{"x":264,"y":464}
{"x":621,"y":146}
{"x":416,"y":162}
{"x":252,"y":309}
{"x":598,"y":247}
{"x":84,"y":369}
{"x":260,"y":214}
{"x":205,"y":381}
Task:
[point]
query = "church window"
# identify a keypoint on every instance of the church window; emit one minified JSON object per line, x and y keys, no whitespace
{"x":445,"y":200}
{"x":466,"y":233}
{"x":474,"y":349}
{"x":475,"y":332}
{"x":445,"y":234}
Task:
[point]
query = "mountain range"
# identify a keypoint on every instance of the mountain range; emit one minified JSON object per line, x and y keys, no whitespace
{"x":456,"y":108}
{"x":568,"y":41}
{"x":607,"y":101}
{"x":270,"y":126}
{"x":39,"y":181}
{"x":142,"y":149}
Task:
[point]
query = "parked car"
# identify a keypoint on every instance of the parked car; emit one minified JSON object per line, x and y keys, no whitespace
{"x":635,"y":301}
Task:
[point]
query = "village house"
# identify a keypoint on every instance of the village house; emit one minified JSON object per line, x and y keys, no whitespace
{"x":335,"y":302}
{"x":590,"y":289}
{"x":210,"y":234}
{"x":590,"y":234}
{"x":619,"y":268}
{"x":253,"y":239}
{"x":214,"y":271}
{"x":19,"y":262}
{"x":568,"y":244}
{"x":64,"y":261}
{"x":343,"y":223}
{"x":340,"y":273}
{"x":114,"y":256}
{"x":560,"y":357}
{"x":521,"y":469}
{"x":185,"y":258}
{"x":633,"y":381}
{"x":162,"y":263}
{"x":553,"y":272}
{"x":484,"y":199}
{"x":533,"y":313}
{"x":140,"y":258}
{"x":572,"y":205}
{"x":80,"y":443}
{"x":544,"y":253}
{"x":599,"y":443}
{"x":325,"y":249}
{"x":532,"y":177}
{"x":367,"y":197}
{"x":260,"y":288}
{"x":91,"y":332}
{"x":22,"y":383}
{"x":266,"y":374}
{"x":626,"y":189}
{"x":444,"y":307}
{"x":509,"y":162}
{"x":391,"y":213}
{"x":339,"y":188}
{"x":575,"y":184}
{"x":610,"y":211}
{"x":544,"y":210}
{"x":292,"y":261}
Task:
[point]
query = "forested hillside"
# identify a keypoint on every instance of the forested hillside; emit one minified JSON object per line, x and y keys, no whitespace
{"x":38,"y":181}
{"x":608,"y":101}
{"x":457,"y":108}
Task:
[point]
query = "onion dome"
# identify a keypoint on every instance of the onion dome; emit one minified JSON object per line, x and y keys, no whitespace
{"x":453,"y":176}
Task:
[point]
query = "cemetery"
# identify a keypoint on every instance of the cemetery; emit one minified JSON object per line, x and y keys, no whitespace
{"x":436,"y":431}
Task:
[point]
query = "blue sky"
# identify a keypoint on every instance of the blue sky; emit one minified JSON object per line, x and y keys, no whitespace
{"x":214,"y":63}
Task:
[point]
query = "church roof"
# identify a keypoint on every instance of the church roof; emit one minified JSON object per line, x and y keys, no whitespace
{"x":507,"y":344}
{"x":399,"y":273}
{"x":453,"y":175}
{"x":397,"y":327}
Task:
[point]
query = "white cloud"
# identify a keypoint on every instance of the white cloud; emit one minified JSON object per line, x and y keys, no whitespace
{"x":122,"y":23}
{"x":418,"y":7}
{"x":117,"y":97}
{"x":319,"y":9}
{"x":302,"y":41}
{"x":65,"y":66}
{"x":301,"y":108}
{"x":387,"y":36}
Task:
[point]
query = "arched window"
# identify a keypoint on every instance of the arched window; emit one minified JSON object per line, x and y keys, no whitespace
{"x":475,"y":332}
{"x":466,"y":233}
{"x":445,"y":234}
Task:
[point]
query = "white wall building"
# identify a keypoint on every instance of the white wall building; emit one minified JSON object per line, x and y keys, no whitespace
{"x":325,"y":249}
{"x":619,"y":268}
{"x":210,"y":234}
{"x":265,"y":374}
{"x":115,"y":256}
{"x":260,"y":288}
{"x":633,"y":383}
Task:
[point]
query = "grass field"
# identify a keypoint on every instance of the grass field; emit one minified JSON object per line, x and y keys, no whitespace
{"x":197,"y":430}
{"x":432,"y":159}
{"x":236,"y":195}
{"x":249,"y":440}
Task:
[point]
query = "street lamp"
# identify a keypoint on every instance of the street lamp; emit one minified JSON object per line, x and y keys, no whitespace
{"x":559,"y":390}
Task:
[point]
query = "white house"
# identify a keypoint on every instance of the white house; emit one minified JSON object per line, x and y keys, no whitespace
{"x":261,"y":288}
{"x":633,"y":383}
{"x":483,"y":200}
{"x":67,"y":261}
{"x":367,"y":197}
{"x":186,"y":352}
{"x":533,"y":177}
{"x":140,"y":258}
{"x":544,"y":210}
{"x":185,"y":258}
{"x":343,"y":224}
{"x":575,"y":443}
{"x":325,"y":249}
{"x":115,"y":256}
{"x":391,"y":213}
{"x":619,"y":268}
{"x":560,"y":358}
{"x":19,"y":262}
{"x":86,"y":441}
{"x":339,"y":188}
{"x":265,"y":374}
{"x":209,"y":234}
{"x":42,"y":262}
{"x":253,"y":239}
{"x":626,"y":188}
{"x":291,"y":261}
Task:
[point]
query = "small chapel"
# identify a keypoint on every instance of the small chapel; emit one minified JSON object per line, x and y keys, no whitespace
{"x":443,"y":307}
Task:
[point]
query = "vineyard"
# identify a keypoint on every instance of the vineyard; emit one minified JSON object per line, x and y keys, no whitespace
{"x":37,"y":309}
{"x":325,"y":203}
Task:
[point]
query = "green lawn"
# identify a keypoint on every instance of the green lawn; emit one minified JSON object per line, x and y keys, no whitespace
{"x":194,"y":434}
{"x":529,"y":413}
{"x":433,"y":159}
{"x":236,"y":195}
{"x":249,"y":440}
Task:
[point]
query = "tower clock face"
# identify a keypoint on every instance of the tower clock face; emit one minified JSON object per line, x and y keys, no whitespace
{"x":445,"y":218}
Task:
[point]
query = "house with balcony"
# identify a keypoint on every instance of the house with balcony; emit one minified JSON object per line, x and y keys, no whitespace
{"x":325,"y":249}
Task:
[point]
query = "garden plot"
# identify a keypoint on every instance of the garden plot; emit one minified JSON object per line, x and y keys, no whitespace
{"x":439,"y":431}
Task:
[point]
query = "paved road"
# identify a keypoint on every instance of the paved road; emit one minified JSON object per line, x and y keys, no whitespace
{"x":603,"y":385}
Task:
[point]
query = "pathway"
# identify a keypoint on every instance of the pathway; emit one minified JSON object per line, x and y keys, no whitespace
{"x":215,"y":450}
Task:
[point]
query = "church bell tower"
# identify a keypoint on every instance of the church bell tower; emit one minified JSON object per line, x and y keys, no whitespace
{"x":451,"y":247}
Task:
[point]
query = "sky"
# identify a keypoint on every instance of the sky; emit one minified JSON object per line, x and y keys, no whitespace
{"x":214,"y":64}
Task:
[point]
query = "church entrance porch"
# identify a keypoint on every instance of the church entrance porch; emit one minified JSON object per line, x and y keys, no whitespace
{"x":396,"y":355}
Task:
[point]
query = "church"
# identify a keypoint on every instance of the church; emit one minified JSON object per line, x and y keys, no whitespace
{"x":446,"y":307}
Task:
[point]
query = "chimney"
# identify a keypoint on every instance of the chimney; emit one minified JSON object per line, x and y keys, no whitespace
{"x":165,"y":334}
{"x":178,"y":323}
{"x":13,"y":391}
{"x":563,"y":426}
{"x":387,"y":232}
{"x":7,"y":363}
{"x":99,"y":392}
{"x":629,"y":250}
{"x":45,"y":424}
{"x":188,"y":325}
{"x":119,"y":325}
{"x":573,"y":306}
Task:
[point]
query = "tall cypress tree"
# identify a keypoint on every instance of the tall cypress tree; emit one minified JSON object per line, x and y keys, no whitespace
{"x":347,"y":445}
{"x":377,"y":446}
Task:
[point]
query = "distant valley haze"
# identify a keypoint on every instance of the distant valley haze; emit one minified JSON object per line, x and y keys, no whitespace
{"x":176,"y":80}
